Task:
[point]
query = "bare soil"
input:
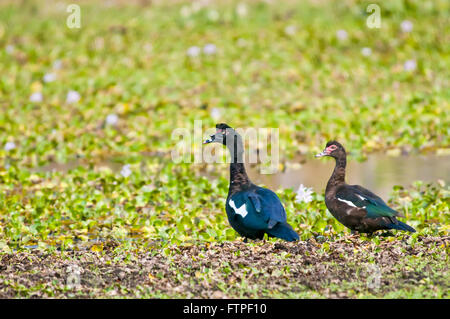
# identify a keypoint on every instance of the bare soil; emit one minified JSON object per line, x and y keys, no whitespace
{"x":347,"y":267}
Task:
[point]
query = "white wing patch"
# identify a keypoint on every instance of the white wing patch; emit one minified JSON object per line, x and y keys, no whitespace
{"x":240,"y":211}
{"x":363,"y":198}
{"x":349,"y":203}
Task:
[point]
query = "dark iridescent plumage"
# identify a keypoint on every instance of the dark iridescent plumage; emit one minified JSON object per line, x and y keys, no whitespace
{"x":251,"y":210}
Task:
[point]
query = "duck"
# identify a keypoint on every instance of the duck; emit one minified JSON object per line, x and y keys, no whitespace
{"x":355,"y":207}
{"x":252,"y":211}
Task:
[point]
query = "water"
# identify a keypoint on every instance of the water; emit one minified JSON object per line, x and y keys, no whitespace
{"x":378,"y":174}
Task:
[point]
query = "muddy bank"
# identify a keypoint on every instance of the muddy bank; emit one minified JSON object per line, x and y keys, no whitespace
{"x":347,"y":267}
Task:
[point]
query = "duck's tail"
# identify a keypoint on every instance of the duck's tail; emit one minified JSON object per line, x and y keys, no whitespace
{"x":401,"y":226}
{"x":283,"y":231}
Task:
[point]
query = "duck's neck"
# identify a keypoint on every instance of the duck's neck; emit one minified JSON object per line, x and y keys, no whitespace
{"x":338,"y":176}
{"x":238,"y":176}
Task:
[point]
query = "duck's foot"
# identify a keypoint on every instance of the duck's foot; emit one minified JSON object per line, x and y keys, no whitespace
{"x":354,"y":233}
{"x":387,"y":234}
{"x":370,"y":235}
{"x":245,"y":240}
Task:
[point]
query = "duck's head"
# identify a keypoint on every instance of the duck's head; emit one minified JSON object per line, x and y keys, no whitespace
{"x":227,"y":136}
{"x":223,"y":131}
{"x":333,"y":149}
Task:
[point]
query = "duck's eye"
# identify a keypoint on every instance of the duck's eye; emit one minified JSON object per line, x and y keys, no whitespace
{"x":333,"y":147}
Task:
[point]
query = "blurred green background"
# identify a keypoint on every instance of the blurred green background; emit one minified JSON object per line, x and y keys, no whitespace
{"x":313,"y":69}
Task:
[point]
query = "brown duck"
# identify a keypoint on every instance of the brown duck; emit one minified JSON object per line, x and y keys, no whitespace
{"x":354,"y":206}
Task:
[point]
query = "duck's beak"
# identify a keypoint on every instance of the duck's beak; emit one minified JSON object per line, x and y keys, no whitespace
{"x":324,"y":153}
{"x":210,"y":140}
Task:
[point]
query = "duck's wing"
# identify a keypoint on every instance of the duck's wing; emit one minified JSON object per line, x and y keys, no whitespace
{"x":246,"y":212}
{"x":260,"y":208}
{"x":357,"y":196}
{"x":271,"y":206}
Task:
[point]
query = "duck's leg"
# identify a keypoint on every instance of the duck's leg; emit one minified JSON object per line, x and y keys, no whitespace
{"x":370,"y":235}
{"x":354,"y":233}
{"x":387,"y":234}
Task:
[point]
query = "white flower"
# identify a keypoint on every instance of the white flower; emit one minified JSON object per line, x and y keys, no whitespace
{"x":304,"y":194}
{"x":125,"y":171}
{"x":237,"y":67}
{"x":342,"y":35}
{"x":112,"y":119}
{"x":61,"y":6}
{"x":366,"y":51}
{"x":193,"y":51}
{"x":406,"y":26}
{"x":290,"y":30}
{"x":241,"y":42}
{"x":36,"y":97}
{"x":148,"y":188}
{"x":410,"y":65}
{"x":10,"y":49}
{"x":209,"y":49}
{"x":148,"y":47}
{"x":72,"y":97}
{"x":196,"y":6}
{"x":57,"y":64}
{"x":49,"y":77}
{"x":185,"y":11}
{"x":213,"y":15}
{"x":216,"y":113}
{"x":9,"y":146}
{"x":241,"y":9}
